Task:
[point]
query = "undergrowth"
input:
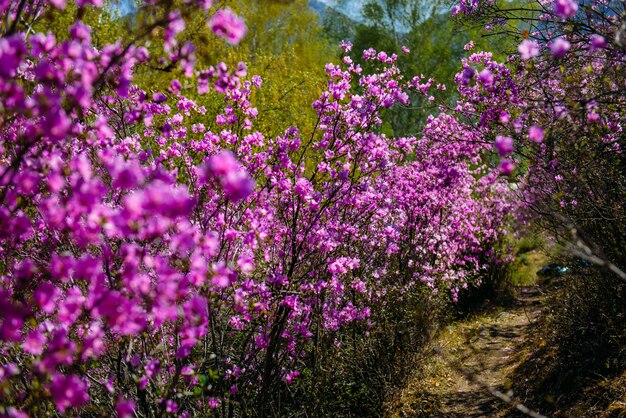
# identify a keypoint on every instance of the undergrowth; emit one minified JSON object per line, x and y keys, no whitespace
{"x":575,"y":358}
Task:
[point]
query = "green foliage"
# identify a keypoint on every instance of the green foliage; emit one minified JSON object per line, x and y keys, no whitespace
{"x":107,"y":27}
{"x":284,"y":45}
{"x":436,"y":42}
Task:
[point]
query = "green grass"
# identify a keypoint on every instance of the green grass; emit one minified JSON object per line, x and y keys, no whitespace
{"x":525,"y":267}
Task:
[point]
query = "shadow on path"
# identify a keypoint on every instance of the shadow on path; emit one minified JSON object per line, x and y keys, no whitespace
{"x":484,"y":355}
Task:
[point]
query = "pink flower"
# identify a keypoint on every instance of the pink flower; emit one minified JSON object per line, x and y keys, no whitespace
{"x":59,"y":4}
{"x":12,"y":51}
{"x":125,"y":409}
{"x":565,"y":8}
{"x":486,"y":77}
{"x":504,"y":145}
{"x":68,"y":392}
{"x":535,"y":134}
{"x":597,"y":41}
{"x":232,"y":176}
{"x":97,"y":3}
{"x":46,"y":296}
{"x":289,"y":377}
{"x":228,"y":25}
{"x":213,"y":402}
{"x":528,"y":49}
{"x":171,"y":406}
{"x":467,"y":75}
{"x":506,"y":166}
{"x":559,"y":47}
{"x":593,"y":117}
{"x":34,"y":343}
{"x":223,"y":163}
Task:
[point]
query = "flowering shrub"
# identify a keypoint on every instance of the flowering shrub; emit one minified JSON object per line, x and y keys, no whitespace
{"x":567,"y":126}
{"x":567,"y":116}
{"x":150,"y":266}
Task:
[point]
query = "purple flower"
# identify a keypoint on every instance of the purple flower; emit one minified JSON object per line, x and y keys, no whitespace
{"x":81,"y":32}
{"x":593,"y":117}
{"x":223,"y":163}
{"x":213,"y":402}
{"x":59,"y":4}
{"x":42,"y":43}
{"x":12,"y":50}
{"x":34,"y":343}
{"x":504,"y":145}
{"x":565,"y":8}
{"x":468,"y":75}
{"x":528,"y":49}
{"x":506,"y":166}
{"x":68,"y":392}
{"x":97,"y":3}
{"x":125,"y":409}
{"x":535,"y":134}
{"x":228,"y":25}
{"x":486,"y":77}
{"x":56,"y":124}
{"x":289,"y":377}
{"x":232,"y":176}
{"x":46,"y":296}
{"x":159,"y":97}
{"x":597,"y":41}
{"x":559,"y":47}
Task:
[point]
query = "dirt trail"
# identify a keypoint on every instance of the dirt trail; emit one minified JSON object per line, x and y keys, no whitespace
{"x":483,"y":347}
{"x":488,"y":354}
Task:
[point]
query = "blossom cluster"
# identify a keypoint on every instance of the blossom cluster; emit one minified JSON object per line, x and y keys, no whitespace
{"x":152,"y":265}
{"x":565,"y":121}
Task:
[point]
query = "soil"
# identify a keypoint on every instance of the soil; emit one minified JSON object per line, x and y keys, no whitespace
{"x":474,"y":357}
{"x":488,"y":357}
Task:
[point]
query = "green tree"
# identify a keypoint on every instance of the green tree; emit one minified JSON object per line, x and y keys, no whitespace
{"x":284,"y":45}
{"x":436,"y":41}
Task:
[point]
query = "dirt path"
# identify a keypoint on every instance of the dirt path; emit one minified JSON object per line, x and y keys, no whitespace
{"x":488,"y":356}
{"x":473,"y":353}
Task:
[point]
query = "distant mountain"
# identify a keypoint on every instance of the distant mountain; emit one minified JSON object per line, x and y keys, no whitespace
{"x":349,"y":8}
{"x":337,"y":24}
{"x":352,"y":10}
{"x":124,"y":7}
{"x":318,"y":6}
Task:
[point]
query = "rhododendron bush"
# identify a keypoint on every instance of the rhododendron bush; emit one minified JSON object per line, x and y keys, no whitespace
{"x":151,"y":265}
{"x":565,"y":114}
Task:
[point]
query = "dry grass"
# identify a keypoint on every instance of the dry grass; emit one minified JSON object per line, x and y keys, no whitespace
{"x":484,"y":344}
